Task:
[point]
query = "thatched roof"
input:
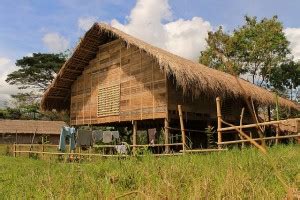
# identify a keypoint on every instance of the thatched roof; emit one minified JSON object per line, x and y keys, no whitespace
{"x":31,"y":127}
{"x":192,"y":77}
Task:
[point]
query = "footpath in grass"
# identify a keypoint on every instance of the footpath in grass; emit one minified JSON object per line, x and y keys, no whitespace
{"x":234,"y":174}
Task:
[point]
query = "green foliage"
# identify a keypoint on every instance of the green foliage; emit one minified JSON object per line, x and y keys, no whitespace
{"x":234,"y":174}
{"x":254,"y":48}
{"x":220,"y":53}
{"x":36,"y":71}
{"x":286,"y":76}
{"x":24,"y":106}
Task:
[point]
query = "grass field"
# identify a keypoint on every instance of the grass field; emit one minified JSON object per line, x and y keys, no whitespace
{"x":227,"y":175}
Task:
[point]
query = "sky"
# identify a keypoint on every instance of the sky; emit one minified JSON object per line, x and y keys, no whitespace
{"x":179,"y":26}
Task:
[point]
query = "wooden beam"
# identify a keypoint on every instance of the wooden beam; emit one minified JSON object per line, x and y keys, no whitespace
{"x":55,"y":97}
{"x":73,"y":70}
{"x":182,"y":128}
{"x":80,"y":60}
{"x":67,"y":79}
{"x":219,"y":117}
{"x":87,"y":50}
{"x":61,"y":88}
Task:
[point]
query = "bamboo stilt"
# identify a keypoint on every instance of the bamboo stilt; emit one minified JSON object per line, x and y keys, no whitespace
{"x":241,"y":124}
{"x":79,"y":154}
{"x":219,"y":117}
{"x":277,"y":118}
{"x":166,"y":134}
{"x":134,"y":133}
{"x":182,"y":128}
{"x":15,"y":149}
{"x":43,"y":148}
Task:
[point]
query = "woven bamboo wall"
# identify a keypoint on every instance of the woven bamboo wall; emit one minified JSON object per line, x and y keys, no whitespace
{"x":201,"y":108}
{"x":121,"y":73}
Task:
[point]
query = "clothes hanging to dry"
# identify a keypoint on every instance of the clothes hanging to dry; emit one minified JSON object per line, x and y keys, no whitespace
{"x":107,"y":136}
{"x":84,"y":138}
{"x":116,"y":134}
{"x":97,"y":135}
{"x":151,"y":135}
{"x":121,"y":149}
{"x":67,"y":133}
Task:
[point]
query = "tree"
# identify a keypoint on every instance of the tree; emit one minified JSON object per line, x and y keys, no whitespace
{"x":286,"y":77}
{"x":36,"y":71}
{"x":219,"y":50}
{"x":25,"y":104}
{"x":254,"y":48}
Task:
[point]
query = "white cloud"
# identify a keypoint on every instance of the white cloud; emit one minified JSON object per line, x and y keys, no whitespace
{"x":6,"y":67}
{"x":151,"y":21}
{"x":3,"y":61}
{"x":293,"y":35}
{"x":55,"y":42}
{"x":85,"y":23}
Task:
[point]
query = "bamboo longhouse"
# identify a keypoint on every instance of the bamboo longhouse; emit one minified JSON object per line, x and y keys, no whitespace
{"x":113,"y":78}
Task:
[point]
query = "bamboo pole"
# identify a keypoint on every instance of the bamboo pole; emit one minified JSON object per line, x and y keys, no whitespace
{"x":241,"y":123}
{"x":277,"y":118}
{"x":166,"y":133}
{"x":266,"y":138}
{"x":90,"y":153}
{"x":249,"y":125}
{"x":155,"y":145}
{"x":219,"y":117}
{"x":93,"y":154}
{"x":204,"y":150}
{"x":79,"y":154}
{"x":261,"y":148}
{"x":134,"y":133}
{"x":15,"y":150}
{"x":43,"y":147}
{"x":182,"y":128}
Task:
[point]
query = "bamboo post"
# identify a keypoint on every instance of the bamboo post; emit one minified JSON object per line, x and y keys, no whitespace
{"x":166,"y":132}
{"x":90,"y":148}
{"x":251,"y":136}
{"x":15,"y":149}
{"x":219,"y":117}
{"x":277,"y":118}
{"x":79,"y":154}
{"x":241,"y":123}
{"x":134,"y":133}
{"x":182,"y":128}
{"x":43,"y":147}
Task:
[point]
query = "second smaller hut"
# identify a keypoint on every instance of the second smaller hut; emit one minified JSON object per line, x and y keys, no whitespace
{"x":30,"y":131}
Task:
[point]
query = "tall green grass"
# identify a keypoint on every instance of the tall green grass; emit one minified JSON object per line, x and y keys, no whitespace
{"x":234,"y":174}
